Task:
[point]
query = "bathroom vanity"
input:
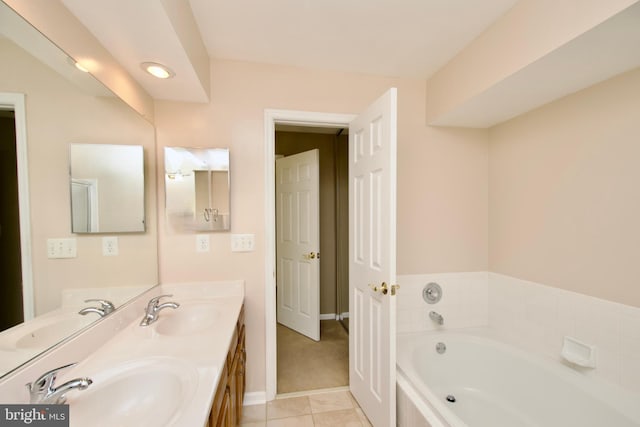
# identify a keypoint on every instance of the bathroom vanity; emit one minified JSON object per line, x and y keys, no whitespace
{"x":186,"y":367}
{"x":226,"y":410}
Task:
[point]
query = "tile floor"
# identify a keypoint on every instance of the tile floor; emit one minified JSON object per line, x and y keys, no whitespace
{"x":330,"y":409}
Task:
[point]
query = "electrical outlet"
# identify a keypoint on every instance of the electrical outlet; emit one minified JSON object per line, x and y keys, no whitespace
{"x":62,"y":248}
{"x":202,"y":243}
{"x":243,"y":242}
{"x":110,"y":246}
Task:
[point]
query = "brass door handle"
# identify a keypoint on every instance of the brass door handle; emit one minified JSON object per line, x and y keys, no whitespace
{"x":374,"y":288}
{"x":311,"y":255}
{"x":384,"y":289}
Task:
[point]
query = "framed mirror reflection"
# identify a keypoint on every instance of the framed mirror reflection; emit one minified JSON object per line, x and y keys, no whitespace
{"x":107,"y":188}
{"x":197,"y":188}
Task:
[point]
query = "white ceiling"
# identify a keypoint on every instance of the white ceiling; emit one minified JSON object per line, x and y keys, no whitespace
{"x":404,"y":38}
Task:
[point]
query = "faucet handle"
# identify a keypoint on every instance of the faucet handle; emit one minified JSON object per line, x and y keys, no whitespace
{"x":46,"y":380}
{"x":155,"y":300}
{"x":106,"y":305}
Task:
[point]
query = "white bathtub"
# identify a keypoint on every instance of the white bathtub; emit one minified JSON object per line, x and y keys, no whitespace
{"x":497,"y":385}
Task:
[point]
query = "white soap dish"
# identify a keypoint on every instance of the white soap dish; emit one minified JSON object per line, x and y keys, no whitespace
{"x":579,"y":353}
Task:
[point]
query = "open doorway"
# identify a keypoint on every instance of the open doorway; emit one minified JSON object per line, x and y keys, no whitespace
{"x":11,"y":311}
{"x":308,"y":361}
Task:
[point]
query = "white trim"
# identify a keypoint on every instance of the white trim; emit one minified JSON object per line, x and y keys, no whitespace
{"x":290,"y":117}
{"x":16,"y":102}
{"x":329,"y":316}
{"x":254,"y":398}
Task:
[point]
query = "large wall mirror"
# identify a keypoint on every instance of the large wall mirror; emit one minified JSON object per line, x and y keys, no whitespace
{"x":107,"y":188}
{"x":40,"y":296}
{"x":197,"y":188}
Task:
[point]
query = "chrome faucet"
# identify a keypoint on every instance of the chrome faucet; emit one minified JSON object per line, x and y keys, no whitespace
{"x":105,"y":308}
{"x":42,"y":390}
{"x":436,"y":317}
{"x":153,"y":308}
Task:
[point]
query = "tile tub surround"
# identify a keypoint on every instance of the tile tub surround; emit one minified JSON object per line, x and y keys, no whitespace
{"x":463,"y":305}
{"x":115,"y":340}
{"x":537,"y":317}
{"x":529,"y":315}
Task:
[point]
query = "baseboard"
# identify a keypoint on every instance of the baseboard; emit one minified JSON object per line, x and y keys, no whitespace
{"x":255,"y":398}
{"x":329,"y":316}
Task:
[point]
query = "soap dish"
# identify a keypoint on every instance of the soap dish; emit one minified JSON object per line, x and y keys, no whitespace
{"x":579,"y":353}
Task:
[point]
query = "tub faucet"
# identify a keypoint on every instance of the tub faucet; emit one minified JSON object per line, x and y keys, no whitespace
{"x":105,"y":308}
{"x":436,"y":317}
{"x":42,"y":390}
{"x":153,"y":308}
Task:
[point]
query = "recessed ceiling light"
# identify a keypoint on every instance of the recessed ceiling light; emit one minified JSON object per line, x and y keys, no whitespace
{"x":77,"y":64}
{"x":157,"y":70}
{"x":80,"y":67}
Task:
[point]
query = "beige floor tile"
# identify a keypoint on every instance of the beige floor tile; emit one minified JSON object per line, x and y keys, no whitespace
{"x":335,"y":401}
{"x":254,"y":413}
{"x":344,"y":418}
{"x":254,"y":424}
{"x":302,"y":421}
{"x":282,"y":408}
{"x":363,"y":418}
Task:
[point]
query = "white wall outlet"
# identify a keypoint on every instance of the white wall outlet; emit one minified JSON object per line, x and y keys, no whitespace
{"x":202,"y":243}
{"x":243,"y":242}
{"x":110,"y":246}
{"x":62,"y":248}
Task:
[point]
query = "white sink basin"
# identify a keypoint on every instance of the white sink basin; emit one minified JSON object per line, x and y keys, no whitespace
{"x":149,"y":392}
{"x":188,"y":319}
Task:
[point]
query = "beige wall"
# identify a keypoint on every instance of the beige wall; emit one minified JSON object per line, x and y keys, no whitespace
{"x":442,"y":178}
{"x":563,"y":200}
{"x":58,"y":114}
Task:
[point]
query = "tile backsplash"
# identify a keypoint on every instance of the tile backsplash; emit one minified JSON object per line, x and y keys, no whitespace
{"x":530,"y":315}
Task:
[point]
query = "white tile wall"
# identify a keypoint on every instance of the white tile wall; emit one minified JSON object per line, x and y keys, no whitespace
{"x":537,"y":317}
{"x":463,"y":303}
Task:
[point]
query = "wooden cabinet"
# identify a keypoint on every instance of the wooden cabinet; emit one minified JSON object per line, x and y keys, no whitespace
{"x":226,"y":410}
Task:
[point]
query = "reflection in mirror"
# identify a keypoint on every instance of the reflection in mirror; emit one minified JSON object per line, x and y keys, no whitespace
{"x":41,"y":300}
{"x":107,"y":188}
{"x":197,"y":188}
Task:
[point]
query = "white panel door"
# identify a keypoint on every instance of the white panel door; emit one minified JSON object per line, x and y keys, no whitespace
{"x":372,"y":260}
{"x":297,"y":243}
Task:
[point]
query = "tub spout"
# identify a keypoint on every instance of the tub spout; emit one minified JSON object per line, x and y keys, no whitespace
{"x":436,"y":317}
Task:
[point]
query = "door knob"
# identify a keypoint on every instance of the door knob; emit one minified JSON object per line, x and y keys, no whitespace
{"x":384,"y":289}
{"x":311,"y":255}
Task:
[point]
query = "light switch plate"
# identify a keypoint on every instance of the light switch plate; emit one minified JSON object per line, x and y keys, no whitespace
{"x":110,"y":246}
{"x":62,"y":248}
{"x":243,"y":242}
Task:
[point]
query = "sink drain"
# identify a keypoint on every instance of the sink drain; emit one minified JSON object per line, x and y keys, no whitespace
{"x":451,"y":398}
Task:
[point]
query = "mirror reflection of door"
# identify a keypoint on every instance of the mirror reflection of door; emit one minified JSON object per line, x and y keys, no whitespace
{"x":84,"y":206}
{"x":11,"y":307}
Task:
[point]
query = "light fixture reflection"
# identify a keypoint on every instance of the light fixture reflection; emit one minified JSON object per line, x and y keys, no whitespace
{"x":157,"y":70}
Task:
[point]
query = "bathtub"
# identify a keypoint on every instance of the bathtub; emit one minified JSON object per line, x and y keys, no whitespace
{"x":491,"y":384}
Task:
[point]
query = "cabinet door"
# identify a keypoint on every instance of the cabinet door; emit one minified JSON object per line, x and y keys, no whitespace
{"x":240,"y":374}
